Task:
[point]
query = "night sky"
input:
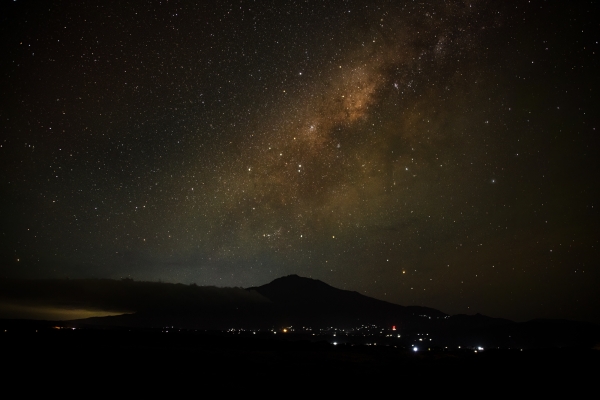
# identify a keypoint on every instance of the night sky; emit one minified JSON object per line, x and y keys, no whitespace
{"x":437,"y":153}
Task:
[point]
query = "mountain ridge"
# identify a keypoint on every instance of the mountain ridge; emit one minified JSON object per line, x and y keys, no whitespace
{"x":289,"y":301}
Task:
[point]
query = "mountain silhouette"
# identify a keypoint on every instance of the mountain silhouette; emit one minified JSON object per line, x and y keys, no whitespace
{"x":310,"y":302}
{"x":288,"y":301}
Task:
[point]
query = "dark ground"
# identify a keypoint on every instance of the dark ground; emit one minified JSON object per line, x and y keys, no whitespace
{"x":146,"y":359}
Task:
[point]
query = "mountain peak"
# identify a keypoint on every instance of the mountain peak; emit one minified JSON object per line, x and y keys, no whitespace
{"x":296,"y":279}
{"x":294,"y":288}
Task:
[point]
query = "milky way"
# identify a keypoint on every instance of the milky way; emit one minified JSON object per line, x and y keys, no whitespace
{"x":434,"y":153}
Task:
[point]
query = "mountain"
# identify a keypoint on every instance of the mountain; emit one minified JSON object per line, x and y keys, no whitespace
{"x":309,"y":302}
{"x":288,"y":301}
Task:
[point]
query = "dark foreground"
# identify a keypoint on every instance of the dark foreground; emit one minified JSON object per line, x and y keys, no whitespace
{"x":161,"y":358}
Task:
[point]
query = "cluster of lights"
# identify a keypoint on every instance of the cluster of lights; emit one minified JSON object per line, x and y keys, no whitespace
{"x":363,"y":330}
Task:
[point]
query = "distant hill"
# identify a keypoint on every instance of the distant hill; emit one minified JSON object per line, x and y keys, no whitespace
{"x":310,"y":302}
{"x":124,"y":295}
{"x":288,"y":301}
